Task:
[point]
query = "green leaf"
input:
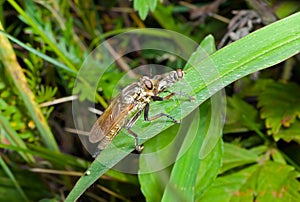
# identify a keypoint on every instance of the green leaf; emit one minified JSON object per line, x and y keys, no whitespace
{"x":269,"y":187}
{"x":235,"y":156}
{"x":224,"y":188}
{"x":143,"y":7}
{"x":269,"y":181}
{"x":61,"y":159}
{"x":291,"y":133}
{"x":240,"y":116}
{"x":154,"y":177}
{"x":163,"y":14}
{"x":250,"y":54}
{"x":209,"y":169}
{"x":55,"y":157}
{"x":280,"y":105}
{"x":45,"y":93}
{"x":181,"y":184}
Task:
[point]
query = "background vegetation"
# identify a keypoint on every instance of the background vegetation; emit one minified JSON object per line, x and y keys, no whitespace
{"x":258,"y":156}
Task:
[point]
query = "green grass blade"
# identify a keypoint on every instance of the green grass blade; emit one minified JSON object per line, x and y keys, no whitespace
{"x":54,"y":62}
{"x":14,"y":138}
{"x":42,"y":55}
{"x":13,"y":179}
{"x":62,"y":159}
{"x":209,"y":170}
{"x":54,"y":157}
{"x":95,"y":171}
{"x":259,"y":50}
{"x":42,"y":34}
{"x":182,"y":185}
{"x":13,"y":69}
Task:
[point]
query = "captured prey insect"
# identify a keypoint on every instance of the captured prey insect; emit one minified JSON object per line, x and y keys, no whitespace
{"x":127,"y":107}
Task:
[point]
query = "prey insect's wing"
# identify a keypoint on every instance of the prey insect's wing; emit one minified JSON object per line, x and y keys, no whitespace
{"x":112,"y":116}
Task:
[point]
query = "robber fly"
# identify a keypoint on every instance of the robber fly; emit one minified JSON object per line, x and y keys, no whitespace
{"x":127,"y":107}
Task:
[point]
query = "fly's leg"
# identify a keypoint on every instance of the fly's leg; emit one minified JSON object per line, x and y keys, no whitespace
{"x":129,"y":125}
{"x":190,"y":98}
{"x":158,"y":98}
{"x":137,"y":146}
{"x":146,"y":114}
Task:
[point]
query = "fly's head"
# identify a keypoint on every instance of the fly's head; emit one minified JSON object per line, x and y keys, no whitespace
{"x":148,"y":86}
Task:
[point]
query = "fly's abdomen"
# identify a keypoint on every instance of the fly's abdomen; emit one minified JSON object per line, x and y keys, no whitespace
{"x":108,"y":138}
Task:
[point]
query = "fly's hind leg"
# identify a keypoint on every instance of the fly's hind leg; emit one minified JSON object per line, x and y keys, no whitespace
{"x":129,"y":125}
{"x":137,"y":146}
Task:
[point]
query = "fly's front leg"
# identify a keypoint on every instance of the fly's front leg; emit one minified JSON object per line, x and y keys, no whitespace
{"x":158,"y":98}
{"x":146,"y":114}
{"x":129,"y":125}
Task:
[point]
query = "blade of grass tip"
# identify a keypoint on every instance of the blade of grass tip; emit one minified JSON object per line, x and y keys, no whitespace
{"x":14,"y":139}
{"x":104,"y":161}
{"x":12,"y":67}
{"x":37,"y":28}
{"x":13,"y":179}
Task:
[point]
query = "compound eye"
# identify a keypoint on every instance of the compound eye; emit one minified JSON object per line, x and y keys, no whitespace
{"x":148,"y":84}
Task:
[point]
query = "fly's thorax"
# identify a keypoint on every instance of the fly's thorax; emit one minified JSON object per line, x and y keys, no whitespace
{"x":147,"y":90}
{"x":130,"y":93}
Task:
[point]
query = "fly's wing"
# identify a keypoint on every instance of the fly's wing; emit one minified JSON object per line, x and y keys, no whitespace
{"x":106,"y":121}
{"x":115,"y":115}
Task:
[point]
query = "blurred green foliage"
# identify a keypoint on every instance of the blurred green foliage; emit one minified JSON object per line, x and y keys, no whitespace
{"x":51,"y":39}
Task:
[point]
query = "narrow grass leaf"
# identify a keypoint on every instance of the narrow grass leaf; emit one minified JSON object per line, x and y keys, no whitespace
{"x":11,"y":65}
{"x":43,"y":34}
{"x":14,"y":138}
{"x":13,"y":179}
{"x":42,"y":55}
